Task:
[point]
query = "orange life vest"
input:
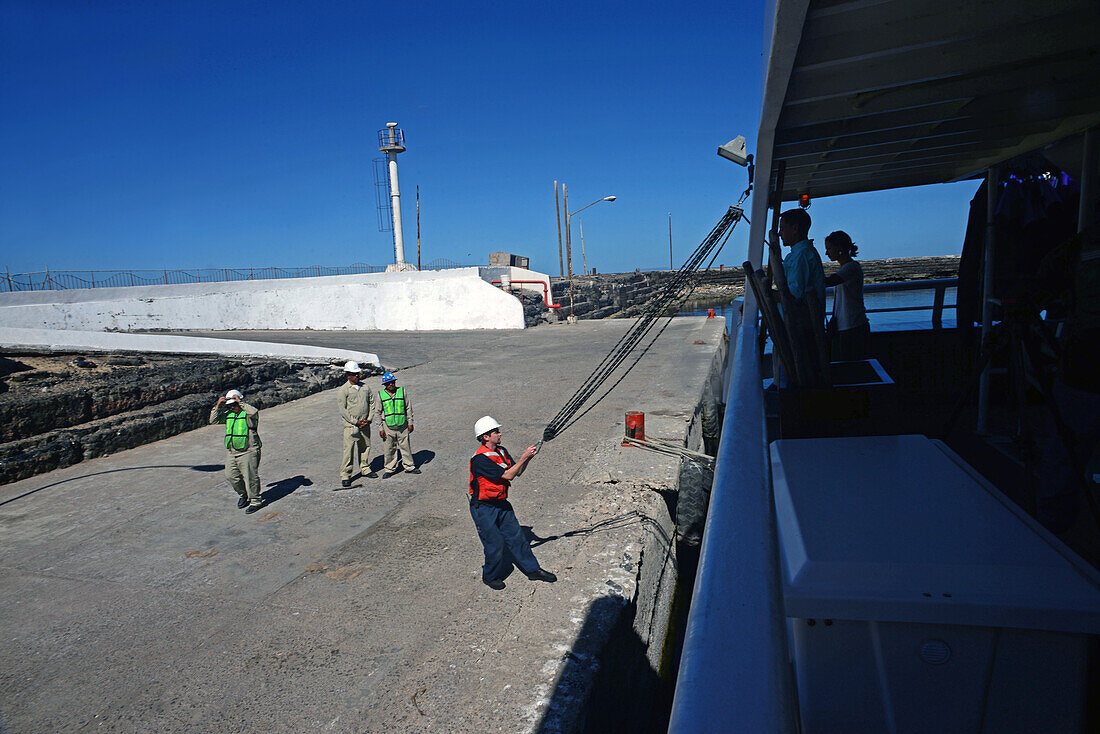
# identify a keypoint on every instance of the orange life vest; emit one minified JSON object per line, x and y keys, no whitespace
{"x":482,"y":488}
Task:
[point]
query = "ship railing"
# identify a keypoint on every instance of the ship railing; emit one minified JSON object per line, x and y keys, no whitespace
{"x":734,"y":672}
{"x":939,"y":286}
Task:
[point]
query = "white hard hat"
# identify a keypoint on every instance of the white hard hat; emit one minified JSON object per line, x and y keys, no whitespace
{"x":234,"y":396}
{"x":484,"y":425}
{"x":352,"y":367}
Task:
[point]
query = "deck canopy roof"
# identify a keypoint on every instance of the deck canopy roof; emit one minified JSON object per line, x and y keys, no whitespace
{"x":883,"y":94}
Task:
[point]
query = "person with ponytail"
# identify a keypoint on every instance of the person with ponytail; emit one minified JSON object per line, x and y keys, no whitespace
{"x":849,"y":330}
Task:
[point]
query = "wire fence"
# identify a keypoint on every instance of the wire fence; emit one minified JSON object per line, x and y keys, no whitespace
{"x":442,"y":263}
{"x":71,"y":279}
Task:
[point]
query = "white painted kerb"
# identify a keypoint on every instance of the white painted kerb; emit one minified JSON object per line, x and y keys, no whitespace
{"x":64,"y":340}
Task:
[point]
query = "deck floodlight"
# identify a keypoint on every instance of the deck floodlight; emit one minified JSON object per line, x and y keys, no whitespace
{"x":735,"y":151}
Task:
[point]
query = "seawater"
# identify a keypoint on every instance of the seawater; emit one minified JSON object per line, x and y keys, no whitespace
{"x":888,"y":321}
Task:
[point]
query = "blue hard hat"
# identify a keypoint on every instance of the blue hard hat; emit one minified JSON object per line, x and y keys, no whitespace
{"x":388,"y":377}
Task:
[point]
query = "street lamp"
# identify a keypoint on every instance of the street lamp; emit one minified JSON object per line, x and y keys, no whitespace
{"x":569,"y":241}
{"x":580,"y":228}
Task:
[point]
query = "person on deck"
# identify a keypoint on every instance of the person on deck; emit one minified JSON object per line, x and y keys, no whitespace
{"x":803,"y":272}
{"x":395,"y":412}
{"x":849,"y":330}
{"x":356,"y":403}
{"x":242,"y":448}
{"x":491,"y":473}
{"x":802,"y":265}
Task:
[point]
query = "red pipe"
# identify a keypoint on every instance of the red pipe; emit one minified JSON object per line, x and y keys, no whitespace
{"x":545,"y":290}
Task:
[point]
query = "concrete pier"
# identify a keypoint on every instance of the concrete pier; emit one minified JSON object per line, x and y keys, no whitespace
{"x":137,"y":597}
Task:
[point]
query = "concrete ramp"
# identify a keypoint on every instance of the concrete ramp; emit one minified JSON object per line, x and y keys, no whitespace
{"x":445,"y":300}
{"x":136,"y":596}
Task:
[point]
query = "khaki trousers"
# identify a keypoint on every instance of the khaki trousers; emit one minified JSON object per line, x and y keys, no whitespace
{"x":355,"y":437}
{"x":242,"y":469}
{"x":397,"y":439}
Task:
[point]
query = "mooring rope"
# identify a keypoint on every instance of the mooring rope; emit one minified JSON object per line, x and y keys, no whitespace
{"x":671,"y":293}
{"x":668,"y":447}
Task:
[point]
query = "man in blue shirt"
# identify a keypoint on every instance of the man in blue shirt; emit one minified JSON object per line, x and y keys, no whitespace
{"x":802,"y":265}
{"x":803,"y":272}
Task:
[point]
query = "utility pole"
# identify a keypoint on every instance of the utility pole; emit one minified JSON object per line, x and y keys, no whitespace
{"x":584,"y":260}
{"x":557,"y":214}
{"x":670,"y":265}
{"x":418,"y":227}
{"x":568,"y":249}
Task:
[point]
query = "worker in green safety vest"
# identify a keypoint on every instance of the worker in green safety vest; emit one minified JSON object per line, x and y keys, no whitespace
{"x":242,"y":448}
{"x":396,"y":416}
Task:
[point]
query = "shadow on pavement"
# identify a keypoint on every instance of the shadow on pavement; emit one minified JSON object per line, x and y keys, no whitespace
{"x":199,"y":467}
{"x":608,"y":671}
{"x":277,"y":490}
{"x":419,"y":458}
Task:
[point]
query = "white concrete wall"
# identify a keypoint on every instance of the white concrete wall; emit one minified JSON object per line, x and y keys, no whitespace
{"x":405,"y":301}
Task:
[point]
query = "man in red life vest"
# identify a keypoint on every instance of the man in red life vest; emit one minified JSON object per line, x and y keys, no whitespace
{"x":491,"y":473}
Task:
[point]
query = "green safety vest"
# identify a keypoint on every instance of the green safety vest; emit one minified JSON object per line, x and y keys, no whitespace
{"x":236,"y":431}
{"x":393,"y":407}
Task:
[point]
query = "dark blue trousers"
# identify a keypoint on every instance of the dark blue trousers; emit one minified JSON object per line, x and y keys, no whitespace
{"x":498,"y":528}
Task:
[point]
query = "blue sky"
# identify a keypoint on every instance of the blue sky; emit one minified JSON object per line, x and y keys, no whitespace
{"x":234,"y":134}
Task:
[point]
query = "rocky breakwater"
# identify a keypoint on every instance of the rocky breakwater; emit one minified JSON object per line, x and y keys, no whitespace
{"x":614,"y":295}
{"x":897,"y":269}
{"x":57,"y":410}
{"x":623,"y":295}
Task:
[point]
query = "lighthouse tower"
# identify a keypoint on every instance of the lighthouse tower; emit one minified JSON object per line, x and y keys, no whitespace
{"x":391,"y":141}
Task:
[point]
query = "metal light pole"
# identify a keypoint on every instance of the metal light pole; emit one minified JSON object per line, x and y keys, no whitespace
{"x":568,"y":249}
{"x":568,"y":235}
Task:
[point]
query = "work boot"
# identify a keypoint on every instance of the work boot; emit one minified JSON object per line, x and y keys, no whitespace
{"x":414,"y":470}
{"x":241,"y":502}
{"x":388,"y":474}
{"x":496,"y":584}
{"x":253,"y":508}
{"x":345,"y":483}
{"x":542,"y":575}
{"x":371,"y":475}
